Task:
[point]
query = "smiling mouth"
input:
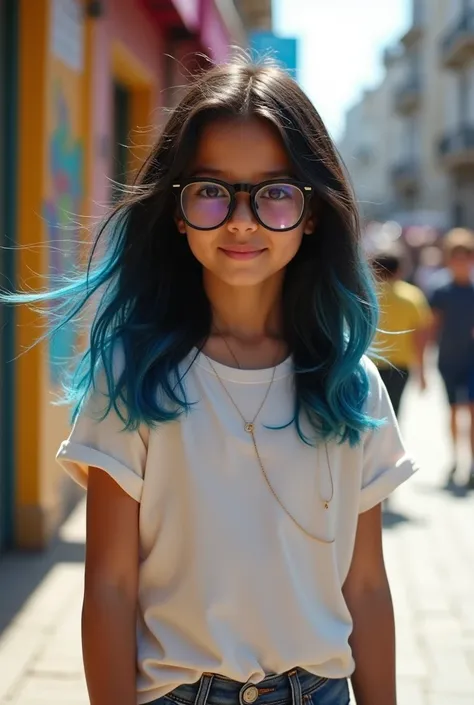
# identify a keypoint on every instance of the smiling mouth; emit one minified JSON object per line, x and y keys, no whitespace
{"x":241,"y":254}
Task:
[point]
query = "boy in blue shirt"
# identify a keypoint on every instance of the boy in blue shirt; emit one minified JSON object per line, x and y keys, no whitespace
{"x":453,"y":308}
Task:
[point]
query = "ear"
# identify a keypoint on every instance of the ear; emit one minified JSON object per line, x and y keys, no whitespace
{"x":312,"y":217}
{"x":310,"y":224}
{"x":180,"y":224}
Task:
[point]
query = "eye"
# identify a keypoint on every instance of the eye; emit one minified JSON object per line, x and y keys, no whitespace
{"x":212,"y":191}
{"x":275,"y":193}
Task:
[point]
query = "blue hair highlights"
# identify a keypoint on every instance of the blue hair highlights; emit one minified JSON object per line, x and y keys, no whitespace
{"x":341,"y":383}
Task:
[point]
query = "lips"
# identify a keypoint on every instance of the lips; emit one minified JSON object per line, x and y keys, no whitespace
{"x":241,"y":252}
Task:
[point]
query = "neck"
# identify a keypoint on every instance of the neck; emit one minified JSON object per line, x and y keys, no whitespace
{"x":248,"y":313}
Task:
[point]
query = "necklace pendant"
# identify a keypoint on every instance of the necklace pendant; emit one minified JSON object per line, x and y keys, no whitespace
{"x":249,"y":427}
{"x":326,"y":505}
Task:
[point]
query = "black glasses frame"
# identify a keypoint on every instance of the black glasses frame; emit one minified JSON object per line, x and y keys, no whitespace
{"x":252,"y":189}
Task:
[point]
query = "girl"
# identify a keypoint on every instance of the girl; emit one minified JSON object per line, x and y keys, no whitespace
{"x":235,"y":442}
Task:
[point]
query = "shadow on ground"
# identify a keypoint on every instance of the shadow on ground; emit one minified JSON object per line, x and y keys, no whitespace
{"x":23,"y":572}
{"x":392,"y":518}
{"x":458,"y":490}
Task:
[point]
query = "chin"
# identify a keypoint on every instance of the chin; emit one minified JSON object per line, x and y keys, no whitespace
{"x":242,"y":279}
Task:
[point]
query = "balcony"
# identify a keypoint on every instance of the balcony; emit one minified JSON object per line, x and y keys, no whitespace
{"x":406,"y":175}
{"x":392,"y":54}
{"x":456,"y":148}
{"x":408,"y":95}
{"x":415,"y":31}
{"x":457,"y":45}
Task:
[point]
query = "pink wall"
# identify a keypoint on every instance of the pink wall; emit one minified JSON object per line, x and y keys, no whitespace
{"x":189,"y":11}
{"x":215,"y":38}
{"x":127,"y":22}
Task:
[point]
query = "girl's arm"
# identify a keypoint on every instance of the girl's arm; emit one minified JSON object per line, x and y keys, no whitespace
{"x":367,"y":593}
{"x":110,"y":595}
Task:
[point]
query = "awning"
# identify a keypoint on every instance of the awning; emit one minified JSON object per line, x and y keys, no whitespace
{"x":176,"y":15}
{"x":215,"y":24}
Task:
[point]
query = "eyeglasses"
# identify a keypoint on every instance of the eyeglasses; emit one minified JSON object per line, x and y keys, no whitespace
{"x":277,"y":205}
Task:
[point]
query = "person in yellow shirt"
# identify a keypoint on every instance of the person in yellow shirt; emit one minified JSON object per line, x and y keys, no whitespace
{"x":404,"y":326}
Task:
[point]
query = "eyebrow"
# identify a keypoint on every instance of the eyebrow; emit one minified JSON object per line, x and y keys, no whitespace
{"x":202,"y":170}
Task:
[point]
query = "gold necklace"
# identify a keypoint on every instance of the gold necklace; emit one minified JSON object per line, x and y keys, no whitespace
{"x":229,"y":349}
{"x":249,"y":427}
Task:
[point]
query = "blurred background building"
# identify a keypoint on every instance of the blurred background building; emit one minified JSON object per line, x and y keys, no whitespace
{"x":409,"y":142}
{"x":282,"y":49}
{"x":83,"y":84}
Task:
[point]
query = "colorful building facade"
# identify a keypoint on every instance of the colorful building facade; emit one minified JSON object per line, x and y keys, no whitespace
{"x":284,"y":50}
{"x":84,"y":79}
{"x":8,"y":141}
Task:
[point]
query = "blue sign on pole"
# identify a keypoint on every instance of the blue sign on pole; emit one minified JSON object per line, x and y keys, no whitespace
{"x":283,"y":49}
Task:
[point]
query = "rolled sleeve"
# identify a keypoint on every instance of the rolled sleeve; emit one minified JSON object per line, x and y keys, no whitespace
{"x":105,"y":444}
{"x":386,"y":463}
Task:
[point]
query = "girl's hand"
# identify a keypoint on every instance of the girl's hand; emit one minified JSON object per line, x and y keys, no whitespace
{"x":367,"y":594}
{"x":110,"y":596}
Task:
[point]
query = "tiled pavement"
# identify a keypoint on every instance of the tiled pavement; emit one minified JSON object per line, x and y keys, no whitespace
{"x":429,"y":546}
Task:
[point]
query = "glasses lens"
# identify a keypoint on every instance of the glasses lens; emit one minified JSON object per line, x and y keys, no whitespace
{"x":279,"y":206}
{"x":205,"y":204}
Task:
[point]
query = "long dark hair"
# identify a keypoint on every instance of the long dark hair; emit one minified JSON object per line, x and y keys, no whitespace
{"x":152,"y":301}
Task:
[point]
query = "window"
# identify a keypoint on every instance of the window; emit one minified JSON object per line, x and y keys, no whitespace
{"x":458,"y":215}
{"x":121,"y":134}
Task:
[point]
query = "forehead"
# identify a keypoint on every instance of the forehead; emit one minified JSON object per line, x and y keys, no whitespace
{"x":241,"y":150}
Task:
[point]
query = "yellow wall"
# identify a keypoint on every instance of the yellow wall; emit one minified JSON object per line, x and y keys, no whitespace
{"x":55,"y":115}
{"x":52,"y":119}
{"x":32,"y":69}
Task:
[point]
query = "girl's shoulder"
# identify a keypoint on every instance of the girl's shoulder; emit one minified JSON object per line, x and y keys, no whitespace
{"x":376,"y":385}
{"x":378,"y":405}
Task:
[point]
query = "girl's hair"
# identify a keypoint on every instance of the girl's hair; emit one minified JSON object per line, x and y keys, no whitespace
{"x":388,"y":261}
{"x":152,"y":304}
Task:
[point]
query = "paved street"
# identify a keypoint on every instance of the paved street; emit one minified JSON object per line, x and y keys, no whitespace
{"x":429,"y":545}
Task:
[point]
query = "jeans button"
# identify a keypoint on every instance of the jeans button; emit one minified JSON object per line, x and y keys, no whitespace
{"x":250,"y":694}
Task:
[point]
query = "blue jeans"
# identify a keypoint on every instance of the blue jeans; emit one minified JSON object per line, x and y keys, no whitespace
{"x":297,"y":687}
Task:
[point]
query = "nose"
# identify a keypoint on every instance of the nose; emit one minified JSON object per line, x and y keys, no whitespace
{"x":242,"y":219}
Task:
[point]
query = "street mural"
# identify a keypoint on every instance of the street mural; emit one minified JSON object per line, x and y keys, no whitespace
{"x":61,"y":212}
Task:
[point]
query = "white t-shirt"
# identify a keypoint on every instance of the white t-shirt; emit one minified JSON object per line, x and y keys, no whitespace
{"x":228,"y":583}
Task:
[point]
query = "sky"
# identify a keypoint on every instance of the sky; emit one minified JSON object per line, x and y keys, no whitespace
{"x":340,"y":47}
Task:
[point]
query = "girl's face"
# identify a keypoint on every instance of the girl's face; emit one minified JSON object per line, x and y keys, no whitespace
{"x":242,"y":252}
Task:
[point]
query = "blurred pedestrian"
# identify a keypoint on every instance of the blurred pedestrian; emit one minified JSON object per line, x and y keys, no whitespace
{"x":235,"y":441}
{"x":430,"y":271}
{"x":453,"y":309}
{"x":404,"y":325}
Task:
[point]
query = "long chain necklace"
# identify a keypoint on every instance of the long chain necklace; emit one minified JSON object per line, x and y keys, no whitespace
{"x":249,"y":427}
{"x":229,"y":349}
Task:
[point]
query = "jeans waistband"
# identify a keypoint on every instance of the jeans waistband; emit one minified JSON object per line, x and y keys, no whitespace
{"x":212,"y":689}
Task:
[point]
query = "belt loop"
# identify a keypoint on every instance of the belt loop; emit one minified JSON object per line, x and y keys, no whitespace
{"x":295,"y":685}
{"x":204,"y":689}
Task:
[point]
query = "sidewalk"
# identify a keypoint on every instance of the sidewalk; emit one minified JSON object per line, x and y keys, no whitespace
{"x":429,"y":548}
{"x":40,"y":604}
